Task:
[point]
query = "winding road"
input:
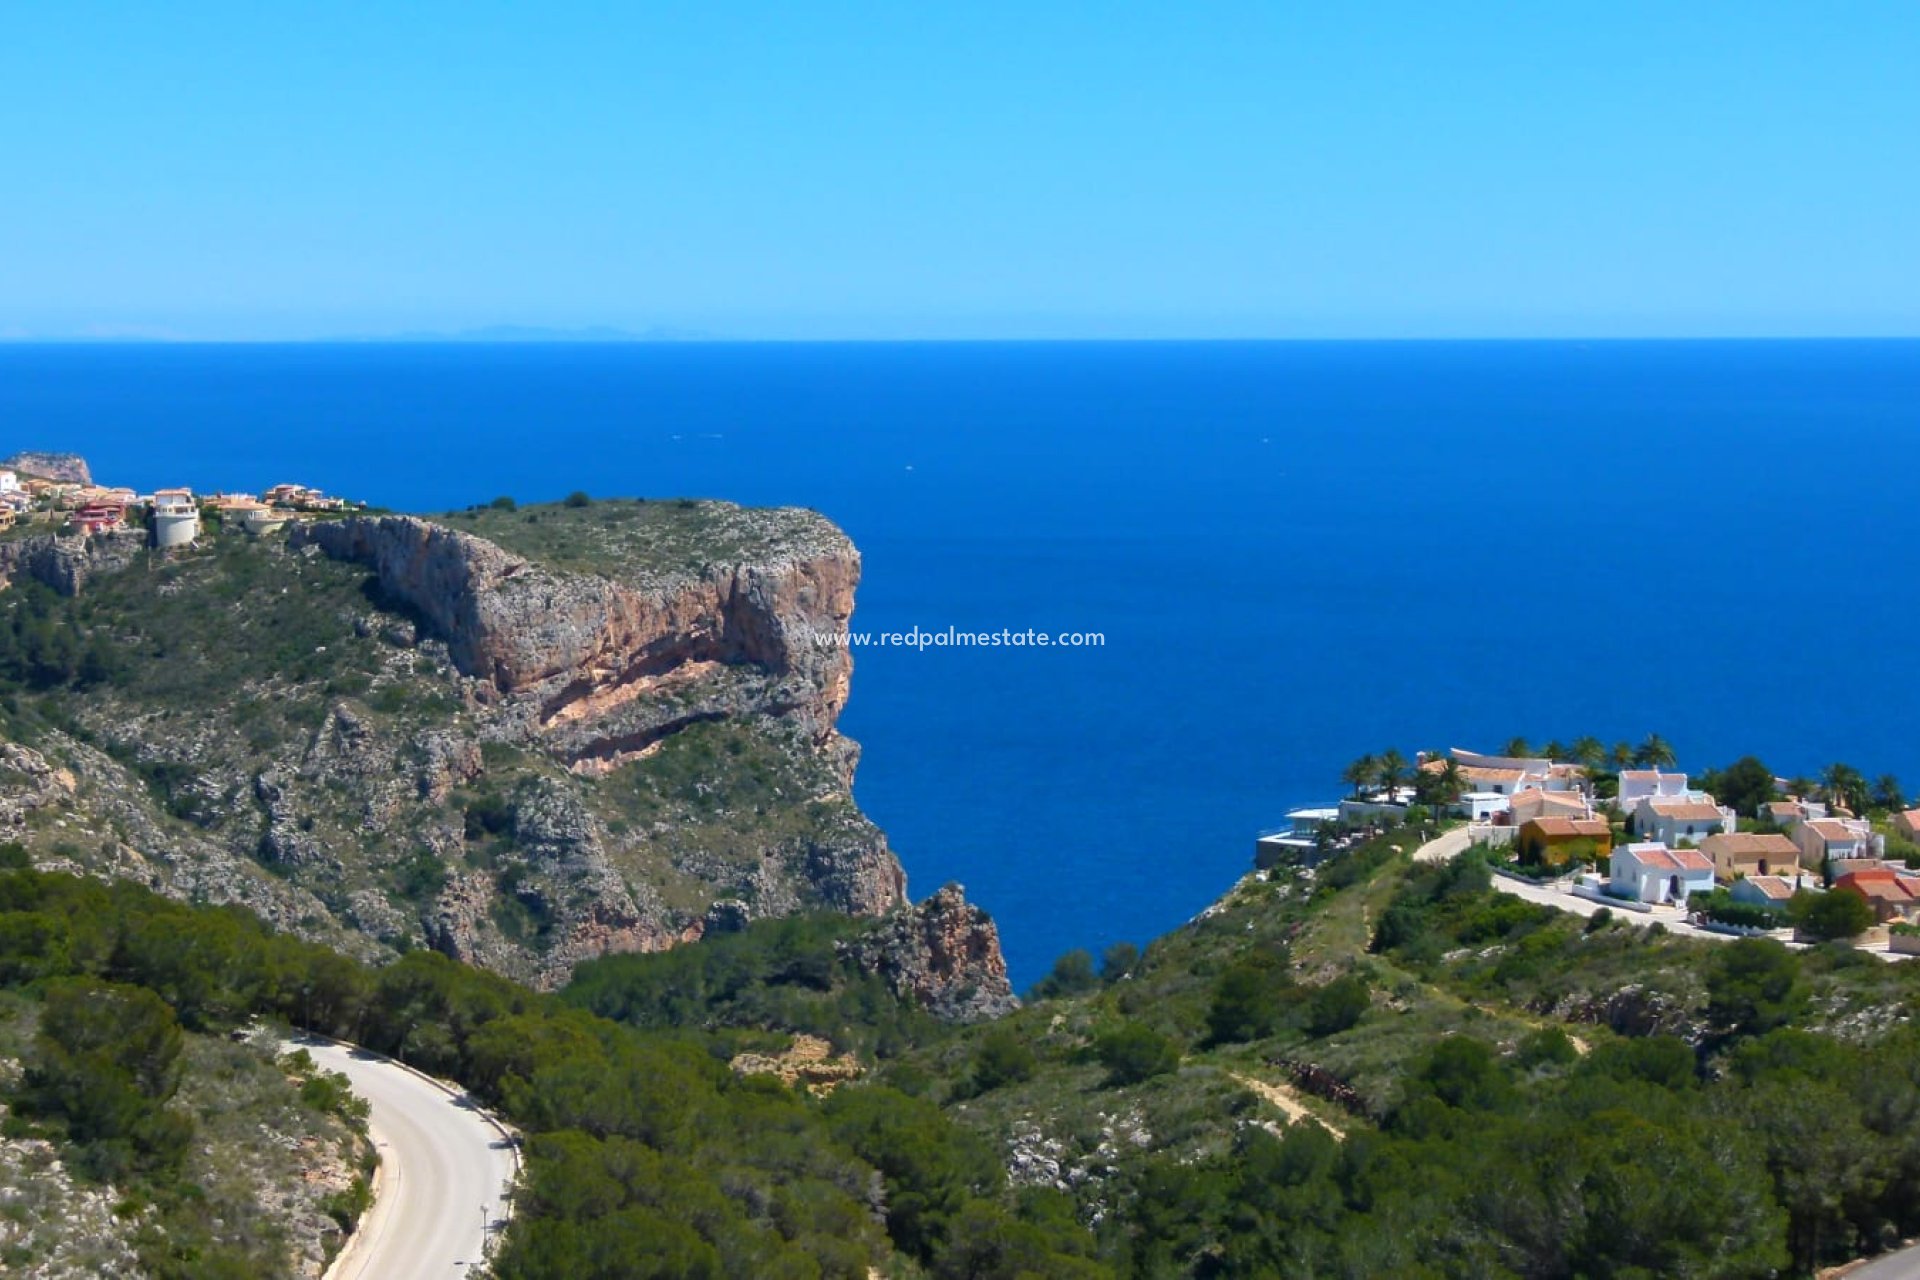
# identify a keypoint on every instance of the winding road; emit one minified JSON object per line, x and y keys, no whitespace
{"x":446,"y":1170}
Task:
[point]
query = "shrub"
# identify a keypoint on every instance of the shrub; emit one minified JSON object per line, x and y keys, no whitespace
{"x":1004,"y":1057}
{"x":504,"y":503}
{"x":1830,"y":916}
{"x":1132,"y":1053}
{"x":578,"y":498}
{"x":1072,"y":975}
{"x":1338,"y":1005}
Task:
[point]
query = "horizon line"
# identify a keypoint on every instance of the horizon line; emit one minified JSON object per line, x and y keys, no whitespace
{"x":639,"y":340}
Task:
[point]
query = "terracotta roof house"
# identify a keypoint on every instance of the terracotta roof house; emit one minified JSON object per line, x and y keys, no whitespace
{"x":1535,"y":803}
{"x":1891,"y":895}
{"x":1550,"y":840}
{"x":1907,"y":825}
{"x":1764,"y":891}
{"x":1737,"y":854}
{"x":1651,"y":872}
{"x":1672,"y":821}
{"x":1499,"y":781}
{"x":1837,"y":838}
{"x":99,"y":517}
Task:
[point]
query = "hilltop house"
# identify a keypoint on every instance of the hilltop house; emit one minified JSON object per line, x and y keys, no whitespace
{"x":1510,"y":774}
{"x":1891,"y":895}
{"x":1651,"y":784}
{"x":1552,"y":841}
{"x":1651,"y":872}
{"x":1840,"y":839}
{"x":1671,"y":821}
{"x":97,"y":517}
{"x":1907,"y":825}
{"x":1742,"y":855}
{"x":1787,"y":813}
{"x":1534,"y":803}
{"x":1764,"y":891}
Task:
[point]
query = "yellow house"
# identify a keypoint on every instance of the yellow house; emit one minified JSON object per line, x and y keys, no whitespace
{"x":1553,"y":841}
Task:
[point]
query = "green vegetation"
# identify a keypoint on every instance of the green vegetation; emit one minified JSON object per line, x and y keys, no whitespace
{"x":638,"y":1140}
{"x":1830,"y":916}
{"x":787,"y":975}
{"x":644,"y":542}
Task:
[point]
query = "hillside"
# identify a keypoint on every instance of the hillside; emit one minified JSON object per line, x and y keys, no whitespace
{"x":390,"y":733}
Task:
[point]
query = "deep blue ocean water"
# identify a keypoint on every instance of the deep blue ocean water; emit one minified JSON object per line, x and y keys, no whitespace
{"x":1297,"y":552}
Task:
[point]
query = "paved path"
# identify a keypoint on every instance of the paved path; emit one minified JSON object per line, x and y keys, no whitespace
{"x":1444,"y":847}
{"x":445,"y":1172}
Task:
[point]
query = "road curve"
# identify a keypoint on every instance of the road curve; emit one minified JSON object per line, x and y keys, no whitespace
{"x":446,"y":1169}
{"x":1902,"y":1265}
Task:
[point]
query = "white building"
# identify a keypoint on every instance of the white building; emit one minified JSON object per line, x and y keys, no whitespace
{"x":1642,"y":784}
{"x":1765,"y":891}
{"x":1651,"y":872}
{"x":1482,"y":806}
{"x":176,"y":518}
{"x":10,"y":482}
{"x":1672,"y":821}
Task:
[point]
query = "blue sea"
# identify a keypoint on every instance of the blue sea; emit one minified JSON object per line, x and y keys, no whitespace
{"x":1296,"y":552}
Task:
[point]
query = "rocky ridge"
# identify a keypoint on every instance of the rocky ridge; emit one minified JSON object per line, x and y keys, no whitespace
{"x":389,"y":732}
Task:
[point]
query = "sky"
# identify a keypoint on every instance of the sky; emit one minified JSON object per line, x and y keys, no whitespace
{"x":936,"y":170}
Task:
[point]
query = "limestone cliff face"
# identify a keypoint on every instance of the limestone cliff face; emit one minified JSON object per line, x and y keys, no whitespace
{"x":603,"y":669}
{"x":597,"y":672}
{"x":67,"y":468}
{"x":614,"y":733}
{"x":65,"y":561}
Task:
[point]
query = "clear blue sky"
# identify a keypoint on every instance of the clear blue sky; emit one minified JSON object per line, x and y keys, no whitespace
{"x":899,"y":169}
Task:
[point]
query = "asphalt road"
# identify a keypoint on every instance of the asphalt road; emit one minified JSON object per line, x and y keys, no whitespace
{"x":1903,"y":1265}
{"x":445,"y":1172}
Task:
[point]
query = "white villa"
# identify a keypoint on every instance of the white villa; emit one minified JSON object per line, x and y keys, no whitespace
{"x":1651,"y":872}
{"x":1672,"y":821}
{"x":1651,"y":784}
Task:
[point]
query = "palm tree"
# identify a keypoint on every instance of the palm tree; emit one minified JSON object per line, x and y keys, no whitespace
{"x":1587,"y":750}
{"x":1621,"y":755}
{"x":1391,"y":765}
{"x":1654,"y":752}
{"x":1845,"y":786}
{"x":1887,"y":794}
{"x":1453,"y":783}
{"x":1517,"y":748}
{"x":1361,"y":772}
{"x":1800,"y":786}
{"x":1554,"y":750}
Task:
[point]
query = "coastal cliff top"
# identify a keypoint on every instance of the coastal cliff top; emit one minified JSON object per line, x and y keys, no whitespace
{"x":642,"y":541}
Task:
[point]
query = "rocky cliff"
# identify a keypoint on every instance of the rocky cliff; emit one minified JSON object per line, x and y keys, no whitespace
{"x":67,"y":468}
{"x":943,"y":953}
{"x":611,"y":735}
{"x":602,"y":669}
{"x":64,"y":561}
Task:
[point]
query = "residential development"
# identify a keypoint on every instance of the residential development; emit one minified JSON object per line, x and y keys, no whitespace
{"x":1648,"y":840}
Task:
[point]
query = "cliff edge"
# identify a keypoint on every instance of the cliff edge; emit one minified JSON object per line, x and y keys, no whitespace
{"x":523,"y":738}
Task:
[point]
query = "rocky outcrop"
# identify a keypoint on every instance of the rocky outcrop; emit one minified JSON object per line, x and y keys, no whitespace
{"x":945,"y":954}
{"x":65,"y":561}
{"x":504,"y":756}
{"x":66,"y":468}
{"x":604,"y":668}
